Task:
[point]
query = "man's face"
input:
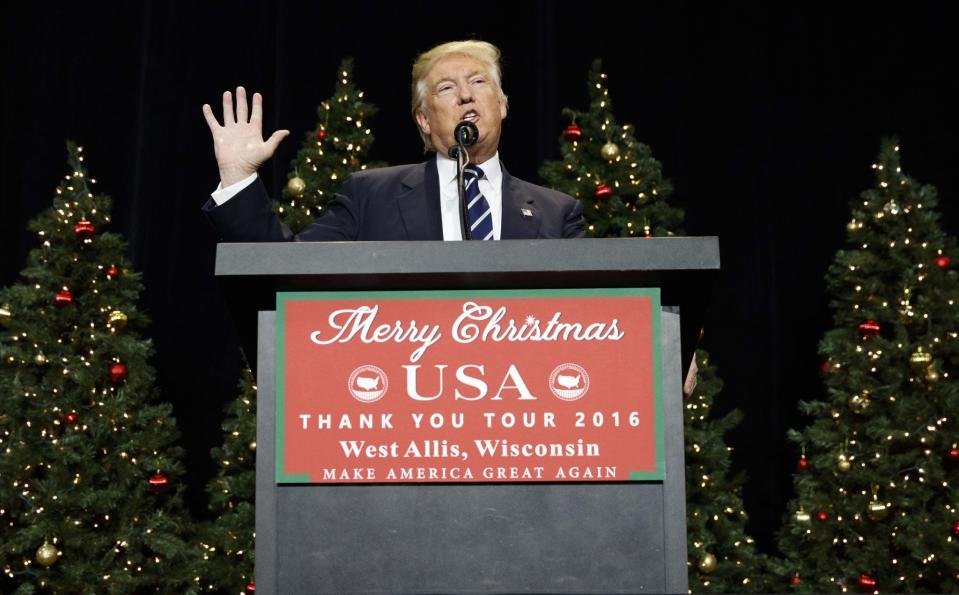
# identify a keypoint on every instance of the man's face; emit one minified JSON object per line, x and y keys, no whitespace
{"x":460,"y":88}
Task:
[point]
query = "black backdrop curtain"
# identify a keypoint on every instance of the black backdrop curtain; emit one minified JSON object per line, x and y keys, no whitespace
{"x":766,"y":119}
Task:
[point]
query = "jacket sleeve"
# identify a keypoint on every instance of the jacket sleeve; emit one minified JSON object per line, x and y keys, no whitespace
{"x":249,"y":217}
{"x":573,"y":226}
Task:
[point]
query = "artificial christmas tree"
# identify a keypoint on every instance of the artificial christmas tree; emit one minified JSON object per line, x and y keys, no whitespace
{"x":722,"y":557}
{"x":881,"y":475}
{"x":619,"y":183}
{"x":337,"y":147}
{"x":84,"y":440}
{"x":227,"y":543}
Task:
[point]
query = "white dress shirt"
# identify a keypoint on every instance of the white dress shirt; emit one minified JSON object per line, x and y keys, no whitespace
{"x":491,"y":185}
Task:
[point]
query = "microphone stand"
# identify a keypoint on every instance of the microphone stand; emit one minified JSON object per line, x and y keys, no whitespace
{"x":465,"y":134}
{"x":462,"y":159}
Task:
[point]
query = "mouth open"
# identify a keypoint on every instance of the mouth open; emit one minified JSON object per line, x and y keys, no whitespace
{"x":470,"y":116}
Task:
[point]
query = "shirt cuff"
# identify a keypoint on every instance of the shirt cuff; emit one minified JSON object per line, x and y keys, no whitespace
{"x":221,"y":194}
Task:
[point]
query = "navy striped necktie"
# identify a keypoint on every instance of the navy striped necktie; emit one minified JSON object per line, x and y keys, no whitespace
{"x":480,"y":217}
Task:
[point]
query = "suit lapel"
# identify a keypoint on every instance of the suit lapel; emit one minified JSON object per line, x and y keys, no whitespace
{"x":520,"y":217}
{"x":419,"y":203}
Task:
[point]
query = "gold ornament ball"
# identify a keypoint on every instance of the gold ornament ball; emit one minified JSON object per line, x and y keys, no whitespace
{"x":843,"y":463}
{"x":932,"y":375}
{"x":296,"y":186}
{"x":117,"y":320}
{"x":707,"y":564}
{"x":802,"y":516}
{"x":252,"y":446}
{"x":40,"y":359}
{"x":47,"y":554}
{"x":852,"y":225}
{"x":920,"y":360}
{"x":609,"y":151}
{"x":877,"y":510}
{"x":6,"y":315}
{"x":858,"y":403}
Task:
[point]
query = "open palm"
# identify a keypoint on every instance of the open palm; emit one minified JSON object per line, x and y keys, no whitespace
{"x":238,"y":144}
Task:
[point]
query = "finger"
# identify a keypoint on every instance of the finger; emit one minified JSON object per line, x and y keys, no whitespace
{"x":691,"y":380}
{"x":241,"y":107}
{"x":210,"y":118}
{"x":228,"y":109}
{"x":257,"y":109}
{"x":274,"y":141}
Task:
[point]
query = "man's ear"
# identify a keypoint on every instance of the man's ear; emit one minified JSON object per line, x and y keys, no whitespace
{"x":502,"y":110}
{"x":423,"y":122}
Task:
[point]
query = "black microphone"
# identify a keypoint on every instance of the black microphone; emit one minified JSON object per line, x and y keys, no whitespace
{"x":466,"y":133}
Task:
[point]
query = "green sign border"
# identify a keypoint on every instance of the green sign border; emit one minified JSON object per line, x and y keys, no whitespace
{"x":652,"y":292}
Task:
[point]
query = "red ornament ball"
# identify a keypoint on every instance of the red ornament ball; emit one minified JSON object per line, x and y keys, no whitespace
{"x":955,"y":528}
{"x":71,"y":418}
{"x":822,"y":516}
{"x":250,"y":587}
{"x":943,"y":262}
{"x":795,"y":580}
{"x":572,"y":132}
{"x":84,"y":229}
{"x":867,"y":583}
{"x":803,"y":464}
{"x":63,"y":298}
{"x":870,"y":328}
{"x":953,"y":454}
{"x":321,"y":134}
{"x":118,"y":372}
{"x":113,"y":271}
{"x":158,"y":483}
{"x":826,"y":368}
{"x":604,"y":191}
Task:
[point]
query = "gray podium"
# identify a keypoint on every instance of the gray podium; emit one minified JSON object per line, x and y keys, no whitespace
{"x":627,"y":537}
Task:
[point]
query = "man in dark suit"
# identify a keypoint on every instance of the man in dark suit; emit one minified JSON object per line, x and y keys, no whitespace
{"x":453,"y":82}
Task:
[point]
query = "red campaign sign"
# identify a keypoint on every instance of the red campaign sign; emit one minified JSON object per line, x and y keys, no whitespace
{"x":469,"y":386}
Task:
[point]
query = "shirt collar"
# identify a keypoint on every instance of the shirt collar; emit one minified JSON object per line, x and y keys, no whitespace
{"x":492,"y":169}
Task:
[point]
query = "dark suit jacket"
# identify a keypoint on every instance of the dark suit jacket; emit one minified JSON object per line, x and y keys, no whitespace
{"x":395,"y":203}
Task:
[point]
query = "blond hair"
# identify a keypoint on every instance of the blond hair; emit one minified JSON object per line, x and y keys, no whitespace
{"x":482,"y":51}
